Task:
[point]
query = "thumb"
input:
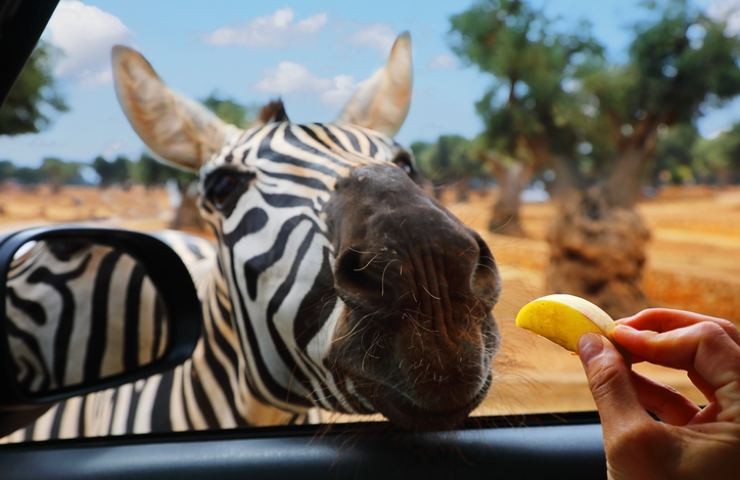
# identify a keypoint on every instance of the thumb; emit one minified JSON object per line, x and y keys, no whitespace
{"x":611,"y":386}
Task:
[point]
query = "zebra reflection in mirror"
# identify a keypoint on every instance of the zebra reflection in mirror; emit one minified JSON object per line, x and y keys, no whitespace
{"x":79,"y":311}
{"x":337,"y":282}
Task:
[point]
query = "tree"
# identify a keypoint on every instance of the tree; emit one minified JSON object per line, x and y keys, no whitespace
{"x":449,"y":158}
{"x":57,"y":172}
{"x":7,"y":169}
{"x":556,"y":101}
{"x":150,"y":172}
{"x":230,"y":111}
{"x":104,"y":170}
{"x":116,"y":172}
{"x":679,"y":62}
{"x":33,"y":97}
{"x":717,"y":160}
{"x":530,"y":111}
{"x":674,"y":158}
{"x":28,"y":176}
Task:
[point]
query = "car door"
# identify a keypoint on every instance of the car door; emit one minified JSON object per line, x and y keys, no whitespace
{"x":535,"y":446}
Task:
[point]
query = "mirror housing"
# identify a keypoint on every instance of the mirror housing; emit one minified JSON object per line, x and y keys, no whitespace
{"x":164,"y":269}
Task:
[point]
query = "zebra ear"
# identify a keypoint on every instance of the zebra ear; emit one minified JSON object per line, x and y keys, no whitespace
{"x":382,"y":101}
{"x":178,"y":130}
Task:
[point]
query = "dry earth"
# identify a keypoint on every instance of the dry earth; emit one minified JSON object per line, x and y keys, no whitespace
{"x":694,"y":263}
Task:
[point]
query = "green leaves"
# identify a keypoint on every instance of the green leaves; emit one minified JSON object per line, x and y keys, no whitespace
{"x":230,"y":111}
{"x":449,"y":158}
{"x":33,"y":99}
{"x":530,"y":61}
{"x":554,"y":96}
{"x":718,"y":159}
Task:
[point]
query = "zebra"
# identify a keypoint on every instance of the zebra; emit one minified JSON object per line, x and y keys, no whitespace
{"x":54,"y":287}
{"x":337,"y":283}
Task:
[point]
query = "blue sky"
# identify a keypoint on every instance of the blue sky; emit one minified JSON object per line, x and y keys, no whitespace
{"x":310,"y":53}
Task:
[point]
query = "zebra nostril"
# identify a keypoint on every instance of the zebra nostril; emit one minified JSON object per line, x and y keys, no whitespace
{"x":358,"y":277}
{"x":485,"y":280}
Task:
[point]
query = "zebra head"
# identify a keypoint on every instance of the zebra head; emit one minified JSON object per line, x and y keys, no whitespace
{"x":349,"y":288}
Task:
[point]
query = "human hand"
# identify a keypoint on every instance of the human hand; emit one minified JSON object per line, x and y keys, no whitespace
{"x":689,"y":442}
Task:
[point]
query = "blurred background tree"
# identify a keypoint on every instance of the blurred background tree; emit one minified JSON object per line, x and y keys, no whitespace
{"x":229,"y":110}
{"x":557,"y":102}
{"x":449,"y":161}
{"x":115,"y":172}
{"x":674,"y":159}
{"x":34,"y":97}
{"x":57,"y":172}
{"x":530,"y":111}
{"x":679,"y":63}
{"x":717,"y":160}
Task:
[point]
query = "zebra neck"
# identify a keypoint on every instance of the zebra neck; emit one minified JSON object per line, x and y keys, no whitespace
{"x":218,"y":368}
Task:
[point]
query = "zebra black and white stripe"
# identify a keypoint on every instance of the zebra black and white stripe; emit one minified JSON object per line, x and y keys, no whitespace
{"x":271,"y":310}
{"x":53,"y":291}
{"x":263,"y":343}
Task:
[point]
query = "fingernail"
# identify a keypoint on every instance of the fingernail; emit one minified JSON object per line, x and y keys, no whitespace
{"x":590,"y":345}
{"x":624,"y":330}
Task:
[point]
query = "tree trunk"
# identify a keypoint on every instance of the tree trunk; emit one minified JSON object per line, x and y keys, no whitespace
{"x":597,"y":251}
{"x":512,"y":179}
{"x":623,"y":187}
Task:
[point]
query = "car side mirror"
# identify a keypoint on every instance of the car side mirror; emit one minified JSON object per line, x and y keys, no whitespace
{"x":84,"y":309}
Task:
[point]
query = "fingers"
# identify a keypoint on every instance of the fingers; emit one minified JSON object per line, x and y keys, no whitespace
{"x":665,"y":402}
{"x":610,"y":381}
{"x":621,"y":393}
{"x":664,"y":319}
{"x":702,"y":385}
{"x":703,"y":348}
{"x":728,"y":399}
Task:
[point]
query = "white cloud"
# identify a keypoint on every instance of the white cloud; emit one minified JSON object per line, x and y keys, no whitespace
{"x":442,"y":61}
{"x":272,"y":30}
{"x":379,"y":36}
{"x":85,"y":35}
{"x":727,"y":10}
{"x":93,"y":78}
{"x":290,"y":77}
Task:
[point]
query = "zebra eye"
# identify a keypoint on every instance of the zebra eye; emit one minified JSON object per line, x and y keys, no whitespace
{"x":404,"y":161}
{"x":223,"y":188}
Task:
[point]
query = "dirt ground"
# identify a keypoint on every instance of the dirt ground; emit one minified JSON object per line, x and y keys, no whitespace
{"x":694,"y":263}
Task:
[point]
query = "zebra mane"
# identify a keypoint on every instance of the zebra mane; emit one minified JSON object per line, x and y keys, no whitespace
{"x":274,"y":111}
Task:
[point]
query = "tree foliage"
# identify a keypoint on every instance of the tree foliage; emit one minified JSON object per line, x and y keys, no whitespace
{"x":115,"y":172}
{"x":149,"y":172}
{"x":229,"y":110}
{"x":674,"y":158}
{"x":679,"y":63}
{"x":529,"y":111}
{"x":450,"y":158}
{"x":58,"y":172}
{"x":34,"y":98}
{"x":556,"y":101}
{"x":717,"y":160}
